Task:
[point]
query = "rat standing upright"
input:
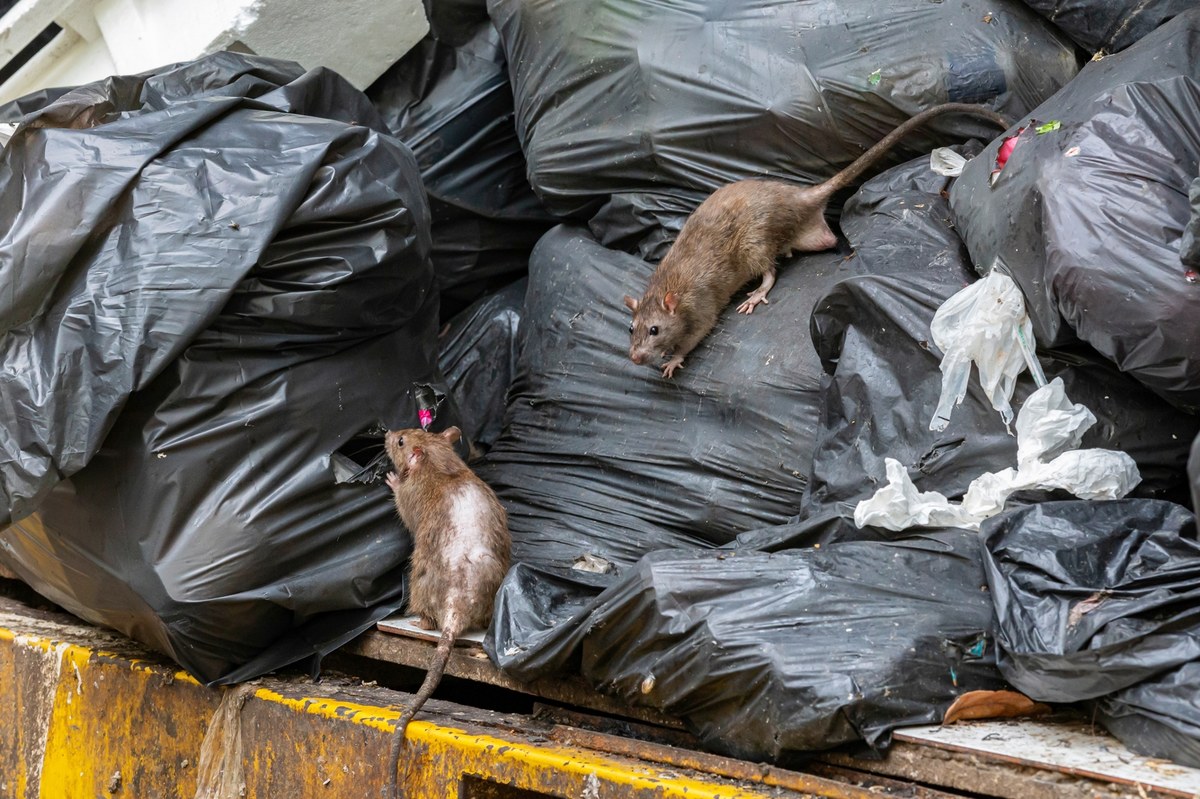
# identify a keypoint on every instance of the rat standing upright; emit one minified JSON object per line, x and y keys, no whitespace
{"x":461,"y":548}
{"x":735,"y":236}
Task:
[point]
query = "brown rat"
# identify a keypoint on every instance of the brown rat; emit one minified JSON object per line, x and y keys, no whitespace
{"x":735,"y":236}
{"x":461,"y":547}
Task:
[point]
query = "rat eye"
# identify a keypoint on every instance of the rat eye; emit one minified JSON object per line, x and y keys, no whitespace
{"x":400,"y":441}
{"x":654,"y":330}
{"x":631,"y":327}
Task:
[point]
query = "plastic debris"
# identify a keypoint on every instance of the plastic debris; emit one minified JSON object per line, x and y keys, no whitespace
{"x":945,"y":161}
{"x":986,"y":324}
{"x":981,"y":325}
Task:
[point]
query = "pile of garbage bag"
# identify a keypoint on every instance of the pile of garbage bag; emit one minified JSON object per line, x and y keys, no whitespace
{"x":639,"y":110}
{"x":217,"y":283}
{"x":782,"y":545}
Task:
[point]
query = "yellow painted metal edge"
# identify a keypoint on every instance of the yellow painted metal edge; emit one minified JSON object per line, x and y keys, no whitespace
{"x":86,"y":722}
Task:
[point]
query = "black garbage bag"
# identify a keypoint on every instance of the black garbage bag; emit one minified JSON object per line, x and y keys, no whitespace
{"x":1088,"y":216}
{"x":454,"y":21}
{"x":449,"y":99}
{"x":478,"y":356}
{"x":766,"y":656}
{"x":1194,"y":471}
{"x":216,"y":285}
{"x":602,"y":461}
{"x":1093,"y":597}
{"x":601,"y":458}
{"x":1159,"y":717}
{"x":604,"y":458}
{"x":1189,"y":245}
{"x":669,"y":101}
{"x":1108,"y":25}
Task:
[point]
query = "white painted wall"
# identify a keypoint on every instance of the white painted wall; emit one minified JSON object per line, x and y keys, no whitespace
{"x":357,"y":38}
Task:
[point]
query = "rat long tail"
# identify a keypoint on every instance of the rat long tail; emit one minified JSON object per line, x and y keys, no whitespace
{"x":437,"y":665}
{"x":848,"y":175}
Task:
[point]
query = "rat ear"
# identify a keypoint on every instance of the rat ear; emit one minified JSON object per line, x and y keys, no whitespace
{"x":631,"y":303}
{"x":670,"y":302}
{"x":452,"y":434}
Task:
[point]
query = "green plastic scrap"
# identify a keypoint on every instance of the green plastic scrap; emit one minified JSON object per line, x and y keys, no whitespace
{"x":875,"y":77}
{"x":1052,"y":125}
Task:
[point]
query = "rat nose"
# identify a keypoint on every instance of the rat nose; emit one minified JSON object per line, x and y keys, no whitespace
{"x":637,"y":357}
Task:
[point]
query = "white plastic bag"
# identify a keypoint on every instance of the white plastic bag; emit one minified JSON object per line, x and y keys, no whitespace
{"x":1049,"y":428}
{"x":984,"y":324}
{"x":945,"y":161}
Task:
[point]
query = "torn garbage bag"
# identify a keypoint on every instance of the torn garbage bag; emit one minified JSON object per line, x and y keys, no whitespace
{"x":218,"y":284}
{"x":769,"y":656}
{"x":669,"y":101}
{"x":1093,"y":597}
{"x":1107,"y":26}
{"x":1088,"y":213}
{"x":450,"y":100}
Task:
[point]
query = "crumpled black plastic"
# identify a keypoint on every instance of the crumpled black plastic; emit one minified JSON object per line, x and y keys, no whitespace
{"x":602,"y":461}
{"x":871,"y":331}
{"x":1093,"y":597}
{"x":216,"y":278}
{"x":1194,"y":471}
{"x":478,"y":355}
{"x":1101,"y":601}
{"x":666,"y":101}
{"x":1189,"y":245}
{"x":450,"y":100}
{"x":453,"y":21}
{"x":1088,"y":218}
{"x":1108,"y":25}
{"x":768,"y":656}
{"x":603,"y":458}
{"x":1159,"y":717}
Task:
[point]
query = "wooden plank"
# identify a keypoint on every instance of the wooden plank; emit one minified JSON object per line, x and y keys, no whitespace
{"x":407,"y":626}
{"x":1062,"y":757}
{"x":1067,"y":745}
{"x":470,"y":662}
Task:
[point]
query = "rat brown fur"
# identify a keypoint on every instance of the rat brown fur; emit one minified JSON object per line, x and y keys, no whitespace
{"x":461,"y":548}
{"x":734,"y":237}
